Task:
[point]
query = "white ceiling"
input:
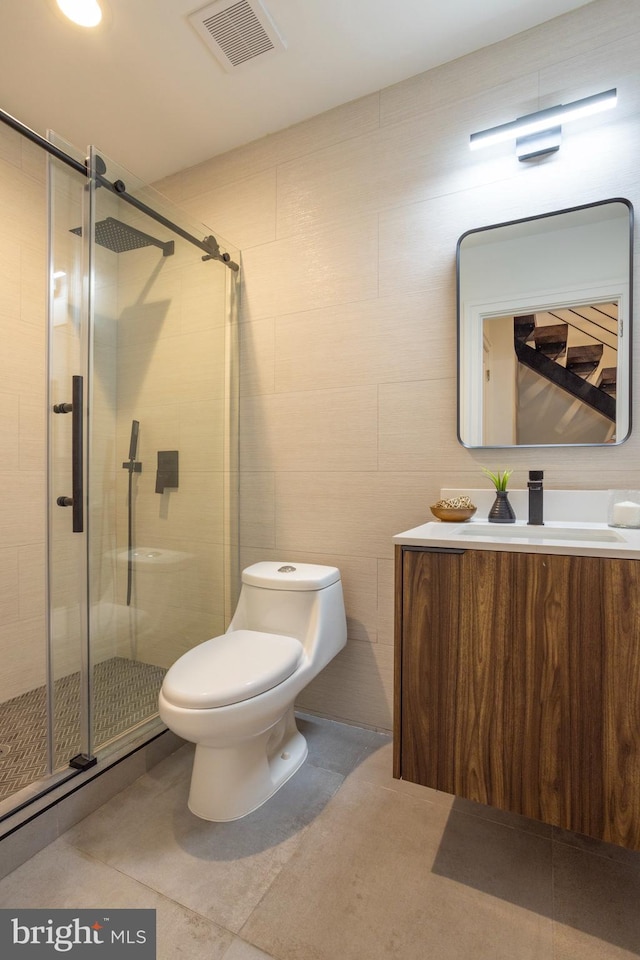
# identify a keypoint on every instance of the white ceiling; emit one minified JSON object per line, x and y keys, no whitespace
{"x":146,"y":90}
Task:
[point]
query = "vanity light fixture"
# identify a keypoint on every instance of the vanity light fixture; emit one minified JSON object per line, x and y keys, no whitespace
{"x":86,"y":13}
{"x":538,"y":134}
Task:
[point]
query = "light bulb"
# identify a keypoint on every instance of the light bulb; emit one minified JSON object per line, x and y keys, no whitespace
{"x":86,"y":13}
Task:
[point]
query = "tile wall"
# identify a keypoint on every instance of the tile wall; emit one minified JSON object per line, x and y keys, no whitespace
{"x":23,"y":274}
{"x":348,"y":225}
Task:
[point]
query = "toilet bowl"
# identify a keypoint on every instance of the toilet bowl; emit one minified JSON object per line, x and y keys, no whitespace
{"x":233,"y":696}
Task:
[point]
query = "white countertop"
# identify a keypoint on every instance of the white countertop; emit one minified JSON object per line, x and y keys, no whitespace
{"x":582,"y":539}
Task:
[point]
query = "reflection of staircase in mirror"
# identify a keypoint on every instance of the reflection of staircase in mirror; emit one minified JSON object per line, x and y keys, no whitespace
{"x":607,"y":380}
{"x":583,"y":360}
{"x":550,"y":339}
{"x":571,"y":353}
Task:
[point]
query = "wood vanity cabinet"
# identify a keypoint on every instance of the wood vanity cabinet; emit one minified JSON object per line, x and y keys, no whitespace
{"x":518,"y":684}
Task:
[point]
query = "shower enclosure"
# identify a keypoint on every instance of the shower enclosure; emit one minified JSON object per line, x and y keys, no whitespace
{"x":117,"y":528}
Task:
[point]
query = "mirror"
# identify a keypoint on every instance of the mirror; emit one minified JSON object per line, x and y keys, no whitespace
{"x":544,"y":329}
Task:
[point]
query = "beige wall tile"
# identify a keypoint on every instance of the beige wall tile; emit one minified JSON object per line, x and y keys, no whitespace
{"x":202,"y":295}
{"x":257,"y":519}
{"x":22,"y":366}
{"x":147,"y":311}
{"x":247,"y":207}
{"x":323,"y":267}
{"x":361,"y":674}
{"x":353,"y":514}
{"x":314,"y":430}
{"x":9,"y":585}
{"x":359,"y":588}
{"x":327,"y":513}
{"x":417,"y":423}
{"x":190,"y":367}
{"x":33,"y":160}
{"x":32,"y":439}
{"x":33,"y":276}
{"x":22,"y":512}
{"x":402,"y":163}
{"x":9,"y":277}
{"x":388,"y":339}
{"x":31,"y":587}
{"x":24,"y":653}
{"x":386,"y":600}
{"x":257,"y":350}
{"x":201,"y":439}
{"x":10,"y":149}
{"x":193,"y":511}
{"x":9,"y":420}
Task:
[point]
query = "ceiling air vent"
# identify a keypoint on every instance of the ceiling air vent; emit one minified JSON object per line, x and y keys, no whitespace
{"x":237,"y":31}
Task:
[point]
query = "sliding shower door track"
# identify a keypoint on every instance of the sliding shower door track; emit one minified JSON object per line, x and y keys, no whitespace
{"x":209,"y":245}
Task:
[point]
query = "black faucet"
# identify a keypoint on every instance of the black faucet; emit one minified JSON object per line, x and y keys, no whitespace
{"x":535,"y":497}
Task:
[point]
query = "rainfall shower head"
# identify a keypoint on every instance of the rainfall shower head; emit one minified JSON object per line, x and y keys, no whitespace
{"x":120,"y":237}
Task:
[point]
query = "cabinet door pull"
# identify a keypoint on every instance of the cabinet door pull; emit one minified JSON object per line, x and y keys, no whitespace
{"x":416,"y":549}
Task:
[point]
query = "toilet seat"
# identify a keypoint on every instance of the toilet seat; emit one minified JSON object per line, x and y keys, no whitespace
{"x":231,"y":668}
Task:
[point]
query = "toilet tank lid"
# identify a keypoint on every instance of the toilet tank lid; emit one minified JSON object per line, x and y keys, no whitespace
{"x":272,"y":575}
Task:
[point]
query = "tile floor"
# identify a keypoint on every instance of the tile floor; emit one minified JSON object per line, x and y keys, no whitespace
{"x":344,"y":863}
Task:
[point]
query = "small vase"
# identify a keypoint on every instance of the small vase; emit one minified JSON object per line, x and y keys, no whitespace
{"x":502,"y":511}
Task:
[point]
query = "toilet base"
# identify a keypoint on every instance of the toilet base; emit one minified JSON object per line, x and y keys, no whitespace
{"x":228,"y":783}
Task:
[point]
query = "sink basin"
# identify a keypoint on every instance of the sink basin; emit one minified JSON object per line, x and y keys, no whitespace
{"x":516,"y":532}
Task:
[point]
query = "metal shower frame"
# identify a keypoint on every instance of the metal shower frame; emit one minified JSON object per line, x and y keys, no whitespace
{"x":209,"y":244}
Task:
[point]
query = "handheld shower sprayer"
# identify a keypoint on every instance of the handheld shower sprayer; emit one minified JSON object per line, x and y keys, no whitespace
{"x":133,"y":466}
{"x":133,"y":442}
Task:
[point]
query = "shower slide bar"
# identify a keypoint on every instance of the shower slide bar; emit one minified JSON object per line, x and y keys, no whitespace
{"x":209,"y":245}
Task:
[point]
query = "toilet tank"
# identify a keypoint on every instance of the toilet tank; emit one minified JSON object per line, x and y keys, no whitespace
{"x":301,"y":600}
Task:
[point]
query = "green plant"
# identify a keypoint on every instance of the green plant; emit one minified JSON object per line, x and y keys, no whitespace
{"x":498,"y":479}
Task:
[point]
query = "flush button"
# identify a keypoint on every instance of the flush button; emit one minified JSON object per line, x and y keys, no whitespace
{"x":286,"y":569}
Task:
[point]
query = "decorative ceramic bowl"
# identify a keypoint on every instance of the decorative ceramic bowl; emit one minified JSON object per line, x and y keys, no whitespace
{"x":453,"y":514}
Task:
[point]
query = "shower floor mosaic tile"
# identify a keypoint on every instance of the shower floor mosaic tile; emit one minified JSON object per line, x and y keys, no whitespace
{"x":125,"y":693}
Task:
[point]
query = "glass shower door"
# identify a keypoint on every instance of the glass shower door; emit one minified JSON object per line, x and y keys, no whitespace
{"x":139,"y":566}
{"x":158,"y":467}
{"x":69,"y":267}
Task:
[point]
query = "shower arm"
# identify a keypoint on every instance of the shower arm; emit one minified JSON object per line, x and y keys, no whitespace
{"x":209,"y":245}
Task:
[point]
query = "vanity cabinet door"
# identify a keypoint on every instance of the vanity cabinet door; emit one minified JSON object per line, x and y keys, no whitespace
{"x":621,"y":703}
{"x":518,"y":684}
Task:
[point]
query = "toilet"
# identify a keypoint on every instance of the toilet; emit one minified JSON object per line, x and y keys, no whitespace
{"x":233,"y":696}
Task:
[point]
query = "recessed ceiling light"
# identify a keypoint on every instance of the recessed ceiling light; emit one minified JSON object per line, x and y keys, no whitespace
{"x":86,"y":13}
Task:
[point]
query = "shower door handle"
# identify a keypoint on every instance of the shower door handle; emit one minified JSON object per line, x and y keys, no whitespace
{"x":77,"y":485}
{"x":75,"y":408}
